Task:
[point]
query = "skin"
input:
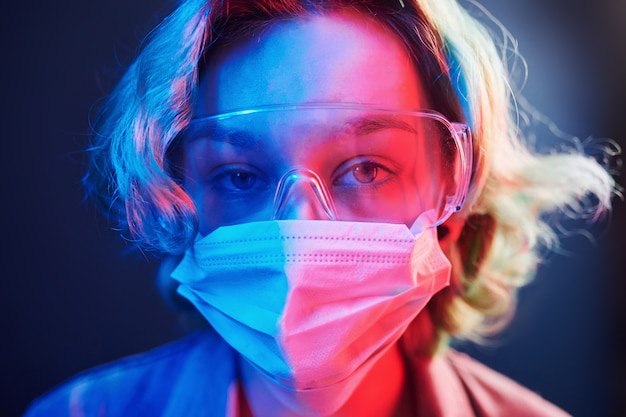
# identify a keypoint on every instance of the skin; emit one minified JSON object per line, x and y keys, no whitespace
{"x":332,"y":58}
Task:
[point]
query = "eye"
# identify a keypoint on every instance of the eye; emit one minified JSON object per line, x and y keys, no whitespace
{"x":237,"y":179}
{"x":243,"y":180}
{"x":363,"y":173}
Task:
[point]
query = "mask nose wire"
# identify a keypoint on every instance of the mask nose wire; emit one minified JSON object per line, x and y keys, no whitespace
{"x":298,"y":181}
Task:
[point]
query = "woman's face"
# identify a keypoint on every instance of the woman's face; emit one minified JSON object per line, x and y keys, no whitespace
{"x":338,"y":58}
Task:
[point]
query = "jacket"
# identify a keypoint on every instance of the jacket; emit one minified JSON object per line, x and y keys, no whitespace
{"x":196,"y":376}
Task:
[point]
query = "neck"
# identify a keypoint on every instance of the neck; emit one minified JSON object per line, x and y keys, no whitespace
{"x":378,"y":394}
{"x":381,"y":391}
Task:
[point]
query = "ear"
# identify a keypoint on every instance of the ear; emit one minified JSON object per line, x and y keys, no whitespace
{"x":474,"y":241}
{"x":167,"y":286}
{"x":449,"y":232}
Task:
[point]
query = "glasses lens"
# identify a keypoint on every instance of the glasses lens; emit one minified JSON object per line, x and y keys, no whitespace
{"x":373,"y":165}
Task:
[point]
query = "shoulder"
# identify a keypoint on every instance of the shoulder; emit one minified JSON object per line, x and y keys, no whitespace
{"x":160,"y":379}
{"x":494,"y":394}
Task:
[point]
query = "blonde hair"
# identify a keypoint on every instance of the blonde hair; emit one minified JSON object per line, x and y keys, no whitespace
{"x":505,"y":231}
{"x":134,"y":177}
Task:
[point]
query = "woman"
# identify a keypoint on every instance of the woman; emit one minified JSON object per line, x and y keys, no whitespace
{"x":344,"y":186}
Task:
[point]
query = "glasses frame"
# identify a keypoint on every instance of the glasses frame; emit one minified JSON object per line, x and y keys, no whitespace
{"x":460,"y":132}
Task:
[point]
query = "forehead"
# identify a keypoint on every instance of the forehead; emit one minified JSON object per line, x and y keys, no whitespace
{"x":342,"y":57}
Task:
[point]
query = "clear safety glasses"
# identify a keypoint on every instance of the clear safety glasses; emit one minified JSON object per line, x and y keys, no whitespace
{"x":328,"y":161}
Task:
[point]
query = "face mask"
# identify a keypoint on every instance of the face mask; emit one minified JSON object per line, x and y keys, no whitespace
{"x":312,"y":304}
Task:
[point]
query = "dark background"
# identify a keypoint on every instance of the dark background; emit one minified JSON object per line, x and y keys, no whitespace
{"x":72,"y":297}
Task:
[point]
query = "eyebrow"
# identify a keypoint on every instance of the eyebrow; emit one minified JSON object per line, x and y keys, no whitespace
{"x":235,"y":137}
{"x":370,"y":124}
{"x":360,"y":126}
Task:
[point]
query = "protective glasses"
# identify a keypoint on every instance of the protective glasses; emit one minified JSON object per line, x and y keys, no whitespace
{"x":328,"y":161}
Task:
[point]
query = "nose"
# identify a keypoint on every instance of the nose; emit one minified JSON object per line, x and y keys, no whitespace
{"x":301,"y":194}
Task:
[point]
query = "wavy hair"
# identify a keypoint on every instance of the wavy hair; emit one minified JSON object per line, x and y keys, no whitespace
{"x":133,"y":173}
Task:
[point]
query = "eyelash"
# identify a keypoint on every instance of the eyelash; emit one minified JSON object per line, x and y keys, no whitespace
{"x":352,"y":164}
{"x":226,"y":173}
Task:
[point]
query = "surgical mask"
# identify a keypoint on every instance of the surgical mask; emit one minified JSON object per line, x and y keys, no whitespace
{"x":311,"y":304}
